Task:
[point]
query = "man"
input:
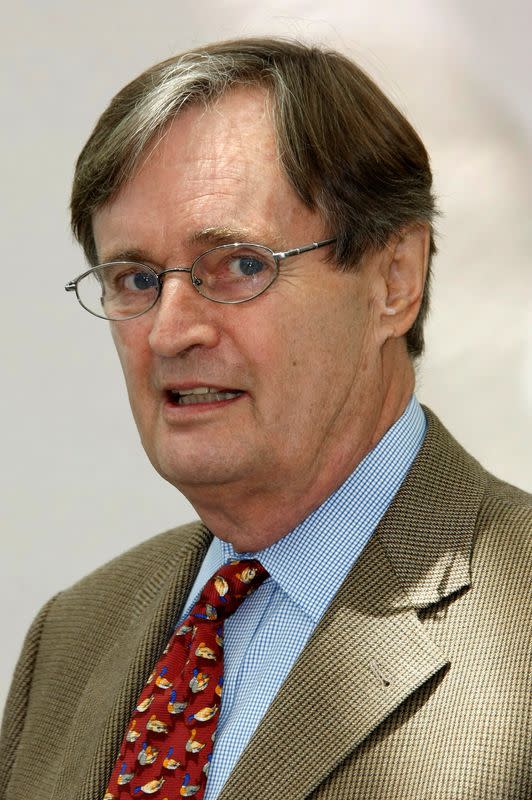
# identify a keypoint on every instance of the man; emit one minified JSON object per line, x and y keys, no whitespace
{"x":258,"y":220}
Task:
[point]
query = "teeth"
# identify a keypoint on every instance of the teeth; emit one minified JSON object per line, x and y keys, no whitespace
{"x":214,"y":397}
{"x":197,"y":390}
{"x":202,"y":394}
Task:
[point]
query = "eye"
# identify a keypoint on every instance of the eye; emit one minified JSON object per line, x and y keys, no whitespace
{"x":137,"y":281}
{"x":246,"y":265}
{"x":234,"y":273}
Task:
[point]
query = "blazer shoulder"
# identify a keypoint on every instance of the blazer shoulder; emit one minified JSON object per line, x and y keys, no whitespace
{"x":507,"y":494}
{"x":503,"y":532}
{"x":110,"y":597}
{"x":147,"y":558}
{"x":506,"y":511}
{"x":447,"y":512}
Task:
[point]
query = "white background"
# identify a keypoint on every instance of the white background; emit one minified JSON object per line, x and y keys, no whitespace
{"x":76,"y":487}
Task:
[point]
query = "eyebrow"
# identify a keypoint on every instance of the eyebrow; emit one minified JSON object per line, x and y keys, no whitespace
{"x":228,"y":235}
{"x":126,"y":255}
{"x":207,"y":237}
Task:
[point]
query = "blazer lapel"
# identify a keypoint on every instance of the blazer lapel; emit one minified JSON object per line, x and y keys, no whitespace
{"x":109,"y":697}
{"x":367,"y":655}
{"x":370,"y":650}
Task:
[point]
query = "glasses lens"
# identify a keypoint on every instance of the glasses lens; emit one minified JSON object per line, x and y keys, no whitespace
{"x":234,"y":273}
{"x":119,"y":290}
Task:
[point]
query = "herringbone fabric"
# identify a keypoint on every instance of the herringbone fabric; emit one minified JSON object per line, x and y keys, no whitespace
{"x":414,"y":686}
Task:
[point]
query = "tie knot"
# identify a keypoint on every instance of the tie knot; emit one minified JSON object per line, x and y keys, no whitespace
{"x":227,"y":588}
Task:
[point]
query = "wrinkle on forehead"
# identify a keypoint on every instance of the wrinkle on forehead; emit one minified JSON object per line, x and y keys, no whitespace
{"x":225,"y":146}
{"x":212,"y":118}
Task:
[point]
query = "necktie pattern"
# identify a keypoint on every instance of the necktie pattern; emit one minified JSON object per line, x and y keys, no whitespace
{"x":168,"y":746}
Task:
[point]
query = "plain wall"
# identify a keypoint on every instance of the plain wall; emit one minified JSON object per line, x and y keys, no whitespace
{"x":76,"y":486}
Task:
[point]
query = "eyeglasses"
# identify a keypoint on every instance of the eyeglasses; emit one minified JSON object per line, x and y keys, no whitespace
{"x":228,"y":273}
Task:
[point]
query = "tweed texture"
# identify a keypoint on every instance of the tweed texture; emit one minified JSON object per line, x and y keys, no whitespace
{"x":414,"y":686}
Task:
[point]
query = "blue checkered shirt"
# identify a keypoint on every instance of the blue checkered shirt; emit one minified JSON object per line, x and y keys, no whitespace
{"x":264,"y":637}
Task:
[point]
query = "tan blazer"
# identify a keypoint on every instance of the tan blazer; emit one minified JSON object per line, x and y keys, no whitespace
{"x":415,"y":685}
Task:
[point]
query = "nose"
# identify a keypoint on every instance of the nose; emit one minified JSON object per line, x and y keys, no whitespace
{"x":182,"y":318}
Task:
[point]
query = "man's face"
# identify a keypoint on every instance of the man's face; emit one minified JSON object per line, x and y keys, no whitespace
{"x":303,"y":356}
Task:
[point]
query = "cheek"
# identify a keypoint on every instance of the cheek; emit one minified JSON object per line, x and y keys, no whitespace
{"x":327,"y":353}
{"x":131,"y":344}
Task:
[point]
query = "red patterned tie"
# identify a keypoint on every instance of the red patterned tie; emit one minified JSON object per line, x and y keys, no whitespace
{"x":168,"y":746}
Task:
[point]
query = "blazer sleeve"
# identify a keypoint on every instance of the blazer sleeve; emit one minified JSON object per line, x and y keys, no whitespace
{"x":17,"y":700}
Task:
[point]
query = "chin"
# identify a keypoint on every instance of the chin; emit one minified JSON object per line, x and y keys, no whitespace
{"x":207,"y":458}
{"x":196,"y":471}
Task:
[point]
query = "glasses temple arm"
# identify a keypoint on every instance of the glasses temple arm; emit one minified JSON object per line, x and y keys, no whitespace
{"x":298,"y":250}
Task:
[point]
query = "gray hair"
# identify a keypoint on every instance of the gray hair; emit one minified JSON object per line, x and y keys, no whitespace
{"x":346,"y":149}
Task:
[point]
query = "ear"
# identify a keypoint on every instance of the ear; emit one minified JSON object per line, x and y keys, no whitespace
{"x":403,"y":272}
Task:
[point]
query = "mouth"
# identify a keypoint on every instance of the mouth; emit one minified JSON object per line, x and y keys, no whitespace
{"x":200,"y":395}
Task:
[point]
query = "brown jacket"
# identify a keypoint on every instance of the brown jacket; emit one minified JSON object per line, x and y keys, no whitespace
{"x":416,"y":684}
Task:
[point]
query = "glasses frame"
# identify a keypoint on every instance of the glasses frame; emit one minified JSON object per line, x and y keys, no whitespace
{"x":72,"y":286}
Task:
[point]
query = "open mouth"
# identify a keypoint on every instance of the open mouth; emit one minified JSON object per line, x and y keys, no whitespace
{"x":201,"y":394}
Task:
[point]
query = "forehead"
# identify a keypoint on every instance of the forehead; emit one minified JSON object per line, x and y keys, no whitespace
{"x":212,"y":167}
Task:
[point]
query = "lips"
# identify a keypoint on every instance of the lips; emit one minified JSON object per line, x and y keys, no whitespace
{"x":201,"y":394}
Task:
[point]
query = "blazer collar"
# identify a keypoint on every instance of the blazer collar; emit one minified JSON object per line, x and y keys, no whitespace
{"x":370,"y":650}
{"x":429,"y":529}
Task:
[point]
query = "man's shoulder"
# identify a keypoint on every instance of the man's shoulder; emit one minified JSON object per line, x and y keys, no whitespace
{"x":508,"y":498}
{"x":502,"y":548}
{"x":152,"y":554}
{"x":119,"y":583}
{"x":452,"y":521}
{"x":448,"y":460}
{"x":498,"y":514}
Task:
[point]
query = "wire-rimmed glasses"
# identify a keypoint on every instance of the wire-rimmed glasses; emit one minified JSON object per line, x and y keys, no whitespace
{"x":228,"y":273}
